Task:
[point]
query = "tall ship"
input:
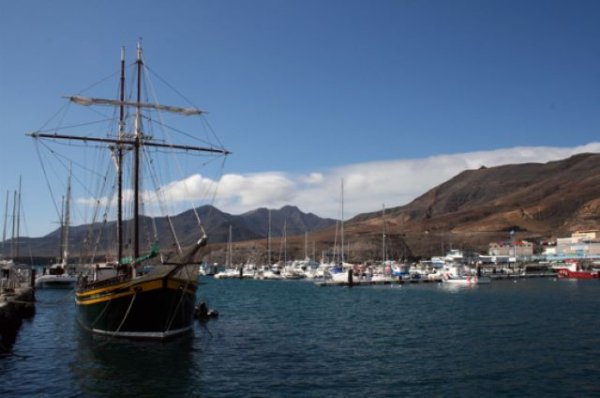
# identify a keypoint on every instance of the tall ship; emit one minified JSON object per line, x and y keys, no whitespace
{"x":140,"y":275}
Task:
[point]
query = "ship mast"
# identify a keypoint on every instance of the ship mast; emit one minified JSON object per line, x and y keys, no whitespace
{"x":120,"y":160}
{"x":136,"y":158}
{"x":123,"y":143}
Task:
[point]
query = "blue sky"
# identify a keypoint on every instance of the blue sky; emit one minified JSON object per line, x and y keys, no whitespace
{"x":393,"y":96}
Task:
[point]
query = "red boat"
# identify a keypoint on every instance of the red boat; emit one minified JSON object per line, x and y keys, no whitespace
{"x":574,"y":270}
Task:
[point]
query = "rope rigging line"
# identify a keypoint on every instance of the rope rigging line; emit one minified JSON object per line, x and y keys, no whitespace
{"x":164,"y":127}
{"x":73,"y":126}
{"x":171,"y":87}
{"x":205,"y":120}
{"x":161,"y":200}
{"x":99,"y":82}
{"x":188,"y":135}
{"x":67,"y":160}
{"x":187,"y":283}
{"x":62,"y":109}
{"x":126,"y":315}
{"x":37,"y":149}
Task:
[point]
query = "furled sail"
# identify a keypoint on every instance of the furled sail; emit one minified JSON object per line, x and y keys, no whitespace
{"x":87,"y":101}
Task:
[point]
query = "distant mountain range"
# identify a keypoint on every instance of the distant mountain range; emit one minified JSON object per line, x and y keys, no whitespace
{"x":536,"y":201}
{"x":248,"y":226}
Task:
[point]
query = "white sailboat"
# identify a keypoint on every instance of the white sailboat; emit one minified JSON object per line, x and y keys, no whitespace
{"x":268,"y":271}
{"x":229,"y":272}
{"x":59,"y":275}
{"x":338,"y":273}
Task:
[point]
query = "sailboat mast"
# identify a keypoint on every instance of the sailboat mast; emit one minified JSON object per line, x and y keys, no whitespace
{"x":62,"y":230}
{"x":136,"y":154}
{"x":18,"y":220}
{"x":342,"y":223}
{"x":229,"y":259}
{"x":120,"y":160}
{"x":383,"y":234}
{"x":305,"y":245}
{"x":284,"y":242}
{"x":5,"y":221}
{"x":67,"y":222}
{"x":14,"y":225}
{"x":269,"y":242}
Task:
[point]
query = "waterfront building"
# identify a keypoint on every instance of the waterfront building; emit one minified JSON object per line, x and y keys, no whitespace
{"x":517,"y":248}
{"x":581,"y":244}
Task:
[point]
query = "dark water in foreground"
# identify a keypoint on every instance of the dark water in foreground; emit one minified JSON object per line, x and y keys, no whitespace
{"x":530,"y":338}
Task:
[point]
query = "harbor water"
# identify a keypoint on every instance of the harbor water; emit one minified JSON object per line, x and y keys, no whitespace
{"x":531,"y":337}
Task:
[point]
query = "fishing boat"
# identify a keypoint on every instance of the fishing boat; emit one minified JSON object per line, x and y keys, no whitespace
{"x":133,"y":288}
{"x":574,"y":270}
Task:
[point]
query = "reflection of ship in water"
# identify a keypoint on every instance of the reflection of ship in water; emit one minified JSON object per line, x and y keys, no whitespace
{"x":109,"y":367}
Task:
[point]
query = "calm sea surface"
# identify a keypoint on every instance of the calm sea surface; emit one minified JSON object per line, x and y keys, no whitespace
{"x":536,"y":337}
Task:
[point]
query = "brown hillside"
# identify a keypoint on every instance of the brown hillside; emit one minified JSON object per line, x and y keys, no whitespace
{"x":537,"y":201}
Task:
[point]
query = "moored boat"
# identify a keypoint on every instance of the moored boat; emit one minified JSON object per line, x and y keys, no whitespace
{"x":455,"y":274}
{"x":131,"y":294}
{"x":60,"y":275}
{"x":56,"y":277}
{"x":575,"y":270}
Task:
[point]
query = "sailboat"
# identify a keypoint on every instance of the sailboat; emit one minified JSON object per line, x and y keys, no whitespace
{"x":137,"y":296}
{"x":13,"y":273}
{"x":339,"y":273}
{"x":269,"y":271}
{"x":230,"y":271}
{"x":59,"y":275}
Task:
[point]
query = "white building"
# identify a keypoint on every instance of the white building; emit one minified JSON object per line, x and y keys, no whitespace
{"x":580,"y":244}
{"x":518,"y":248}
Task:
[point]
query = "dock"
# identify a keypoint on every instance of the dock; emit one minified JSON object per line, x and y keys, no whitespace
{"x":399,"y":281}
{"x":17,"y":302}
{"x":377,"y":283}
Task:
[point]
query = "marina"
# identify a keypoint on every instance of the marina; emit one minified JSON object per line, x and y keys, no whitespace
{"x":300,"y":199}
{"x":292,"y":338}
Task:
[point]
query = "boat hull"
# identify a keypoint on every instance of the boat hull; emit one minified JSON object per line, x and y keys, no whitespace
{"x":153,"y":309}
{"x":565,"y":273}
{"x":56,"y":281}
{"x":468,"y":280}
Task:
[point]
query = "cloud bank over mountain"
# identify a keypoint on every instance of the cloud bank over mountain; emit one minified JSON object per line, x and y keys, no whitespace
{"x":367,"y":186}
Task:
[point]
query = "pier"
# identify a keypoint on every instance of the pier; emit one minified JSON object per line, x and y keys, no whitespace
{"x":17,"y":298}
{"x":376,"y":283}
{"x":399,"y":281}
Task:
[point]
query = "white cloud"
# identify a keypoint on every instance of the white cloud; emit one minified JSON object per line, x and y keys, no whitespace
{"x":366,"y":185}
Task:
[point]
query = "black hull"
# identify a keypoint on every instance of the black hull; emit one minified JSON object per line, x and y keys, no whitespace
{"x":140,"y":311}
